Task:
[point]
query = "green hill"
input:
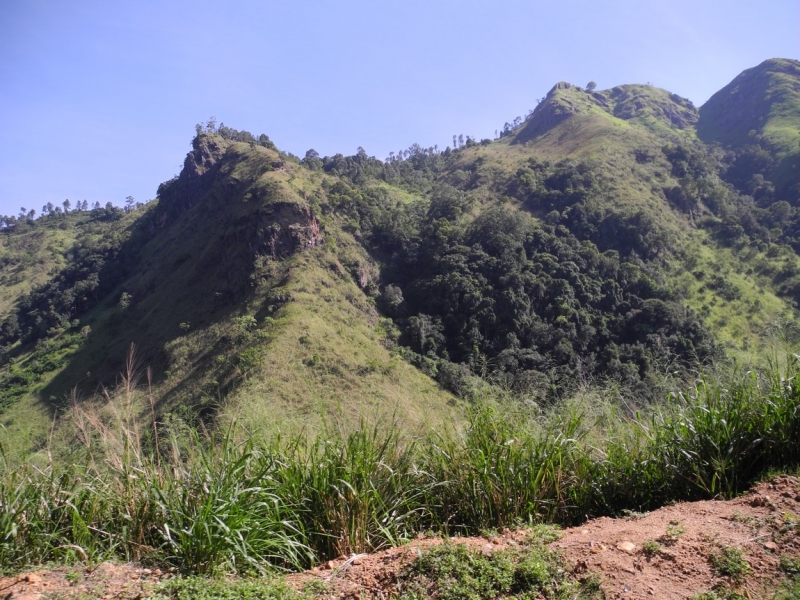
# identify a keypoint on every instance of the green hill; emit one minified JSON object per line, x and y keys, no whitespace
{"x":761,"y":108}
{"x":240,"y":296}
{"x":616,"y":237}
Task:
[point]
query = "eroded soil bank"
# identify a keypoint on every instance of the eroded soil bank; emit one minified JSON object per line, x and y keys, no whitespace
{"x":750,"y":545}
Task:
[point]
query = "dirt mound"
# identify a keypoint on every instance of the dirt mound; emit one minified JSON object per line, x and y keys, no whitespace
{"x":106,"y":581}
{"x":668,"y":553}
{"x":678,"y":551}
{"x":671,"y":552}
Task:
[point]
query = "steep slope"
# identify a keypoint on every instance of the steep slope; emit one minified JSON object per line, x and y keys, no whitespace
{"x":540,"y":276}
{"x":760,"y":107}
{"x":601,"y":241}
{"x":763,"y":100}
{"x":651,"y":171}
{"x":241,"y":297}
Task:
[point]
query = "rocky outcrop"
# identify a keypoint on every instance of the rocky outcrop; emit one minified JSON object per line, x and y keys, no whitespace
{"x":275,"y":231}
{"x":199,"y":171}
{"x":285,"y":229}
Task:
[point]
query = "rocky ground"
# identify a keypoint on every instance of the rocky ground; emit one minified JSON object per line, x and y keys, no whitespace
{"x":750,"y":544}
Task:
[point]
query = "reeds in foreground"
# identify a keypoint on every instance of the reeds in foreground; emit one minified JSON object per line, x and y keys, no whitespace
{"x":204,"y":503}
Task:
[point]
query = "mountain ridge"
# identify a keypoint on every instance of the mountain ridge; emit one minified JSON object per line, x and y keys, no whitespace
{"x":601,"y":240}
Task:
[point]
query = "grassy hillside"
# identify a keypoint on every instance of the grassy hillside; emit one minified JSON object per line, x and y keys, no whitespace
{"x":28,"y":258}
{"x":285,"y":361}
{"x":600,"y":242}
{"x":238,"y":299}
{"x":760,"y":106}
{"x":641,"y":144}
{"x":763,"y":100}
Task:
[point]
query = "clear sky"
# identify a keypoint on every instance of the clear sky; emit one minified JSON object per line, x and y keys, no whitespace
{"x":99,"y":98}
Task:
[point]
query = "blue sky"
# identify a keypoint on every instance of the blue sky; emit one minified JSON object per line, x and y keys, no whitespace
{"x":99,"y":98}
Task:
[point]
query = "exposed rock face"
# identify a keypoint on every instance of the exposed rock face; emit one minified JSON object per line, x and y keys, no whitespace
{"x":279,"y":228}
{"x":287,"y":228}
{"x":199,"y":170}
{"x":276,"y":230}
{"x":204,"y":156}
{"x":256,"y":217}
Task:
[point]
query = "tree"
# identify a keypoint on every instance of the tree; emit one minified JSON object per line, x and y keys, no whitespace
{"x":125,"y":300}
{"x":66,"y":204}
{"x":312,"y":160}
{"x":590,"y":87}
{"x":263,"y":140}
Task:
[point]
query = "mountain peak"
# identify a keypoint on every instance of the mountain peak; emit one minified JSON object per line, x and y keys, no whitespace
{"x":561,"y":85}
{"x":750,"y":102}
{"x":652,"y":106}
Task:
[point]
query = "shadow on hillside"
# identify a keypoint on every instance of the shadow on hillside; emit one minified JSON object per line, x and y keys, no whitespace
{"x":101,"y":363}
{"x":181,"y":284}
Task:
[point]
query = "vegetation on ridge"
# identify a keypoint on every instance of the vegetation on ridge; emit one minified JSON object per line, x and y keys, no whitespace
{"x":544,"y":328}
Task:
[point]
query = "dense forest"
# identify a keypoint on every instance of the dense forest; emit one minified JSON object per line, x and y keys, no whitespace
{"x":533,"y":266}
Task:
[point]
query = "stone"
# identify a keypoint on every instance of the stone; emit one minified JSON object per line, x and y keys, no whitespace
{"x":626,"y":547}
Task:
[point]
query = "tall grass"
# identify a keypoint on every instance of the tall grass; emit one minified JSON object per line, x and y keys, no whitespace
{"x":158,"y":493}
{"x":359,"y":492}
{"x":504,"y":469}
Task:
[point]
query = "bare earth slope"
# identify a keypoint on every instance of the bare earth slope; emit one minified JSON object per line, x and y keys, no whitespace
{"x":668,"y":553}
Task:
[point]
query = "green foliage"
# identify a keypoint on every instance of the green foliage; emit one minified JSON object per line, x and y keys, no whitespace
{"x":523,"y":299}
{"x":790,"y":591}
{"x":722,"y":593}
{"x":222,"y":513}
{"x":164,"y":495}
{"x":790,"y":565}
{"x":730,"y":562}
{"x":96,"y":264}
{"x":361,"y":492}
{"x":202,"y":588}
{"x":22,"y":377}
{"x":504,"y":274}
{"x":760,"y":105}
{"x":503,"y":471}
{"x":722,"y":436}
{"x":674,"y":532}
{"x":530,"y":274}
{"x":651,"y":548}
{"x":454,"y":571}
